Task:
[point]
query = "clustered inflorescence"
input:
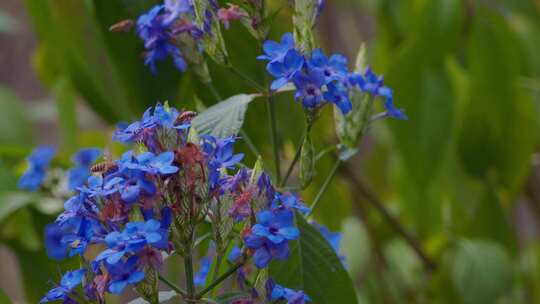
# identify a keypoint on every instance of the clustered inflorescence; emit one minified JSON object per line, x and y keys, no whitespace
{"x":166,"y":27}
{"x":319,"y":79}
{"x":134,"y":211}
{"x":128,"y":215}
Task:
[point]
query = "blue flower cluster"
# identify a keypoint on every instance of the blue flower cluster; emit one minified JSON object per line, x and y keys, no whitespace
{"x":129,"y":213}
{"x":38,"y":163}
{"x":159,"y":27}
{"x":320,"y":79}
{"x":164,"y":25}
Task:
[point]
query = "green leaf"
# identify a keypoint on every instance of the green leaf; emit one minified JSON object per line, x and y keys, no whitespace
{"x":15,"y":126}
{"x":75,"y":47}
{"x":13,"y":201}
{"x":481,"y":271}
{"x":314,"y":267}
{"x":225,"y":118}
{"x":492,"y":140}
{"x":4,"y":299}
{"x":430,"y":102}
{"x":66,"y":105}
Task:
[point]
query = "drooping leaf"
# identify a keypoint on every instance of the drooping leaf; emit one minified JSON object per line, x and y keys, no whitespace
{"x":225,"y":118}
{"x":314,"y":267}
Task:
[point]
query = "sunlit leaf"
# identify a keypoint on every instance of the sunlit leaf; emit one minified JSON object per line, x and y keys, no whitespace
{"x":225,"y":118}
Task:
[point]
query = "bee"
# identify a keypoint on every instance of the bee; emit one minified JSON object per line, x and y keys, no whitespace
{"x":105,"y":166}
{"x":122,"y":26}
{"x":185,"y":116}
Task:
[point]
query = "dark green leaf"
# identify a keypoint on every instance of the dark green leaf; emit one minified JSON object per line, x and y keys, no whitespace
{"x":314,"y":267}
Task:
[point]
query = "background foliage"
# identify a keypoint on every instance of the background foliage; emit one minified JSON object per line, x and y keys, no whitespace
{"x":459,"y":182}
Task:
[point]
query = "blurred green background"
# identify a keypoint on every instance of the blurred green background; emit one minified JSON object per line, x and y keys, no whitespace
{"x":459,"y":182}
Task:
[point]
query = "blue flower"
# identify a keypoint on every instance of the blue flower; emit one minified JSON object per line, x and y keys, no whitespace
{"x":145,"y":130}
{"x":221,"y":156}
{"x":56,"y":250}
{"x":276,"y":292}
{"x":134,"y":183}
{"x":285,"y":70}
{"x":275,"y":51}
{"x":124,"y":274}
{"x":204,"y":268}
{"x":374,"y":85}
{"x":309,"y":87}
{"x":149,"y":162}
{"x":154,"y":29}
{"x":78,"y":175}
{"x":333,"y":68}
{"x":69,"y":281}
{"x":338,"y":94}
{"x":392,"y":111}
{"x":79,"y":232}
{"x":134,"y":237}
{"x":289,"y":201}
{"x":269,"y":237}
{"x":175,"y":9}
{"x":235,"y":254}
{"x":38,"y":163}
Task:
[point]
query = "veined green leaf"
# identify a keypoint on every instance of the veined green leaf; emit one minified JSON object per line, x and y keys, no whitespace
{"x":314,"y":267}
{"x":225,"y":118}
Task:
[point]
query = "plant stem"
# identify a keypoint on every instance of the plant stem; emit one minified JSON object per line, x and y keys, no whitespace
{"x":324,"y":187}
{"x":359,"y":185}
{"x":172,"y":285}
{"x":188,"y":265}
{"x":219,"y":259}
{"x":248,"y":79}
{"x":271,"y":109}
{"x":296,"y":156}
{"x":220,"y":279}
{"x":214,"y":91}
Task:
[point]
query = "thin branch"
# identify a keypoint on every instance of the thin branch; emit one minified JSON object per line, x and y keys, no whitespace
{"x":220,"y":279}
{"x":176,"y":288}
{"x":324,"y":187}
{"x":359,"y":185}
